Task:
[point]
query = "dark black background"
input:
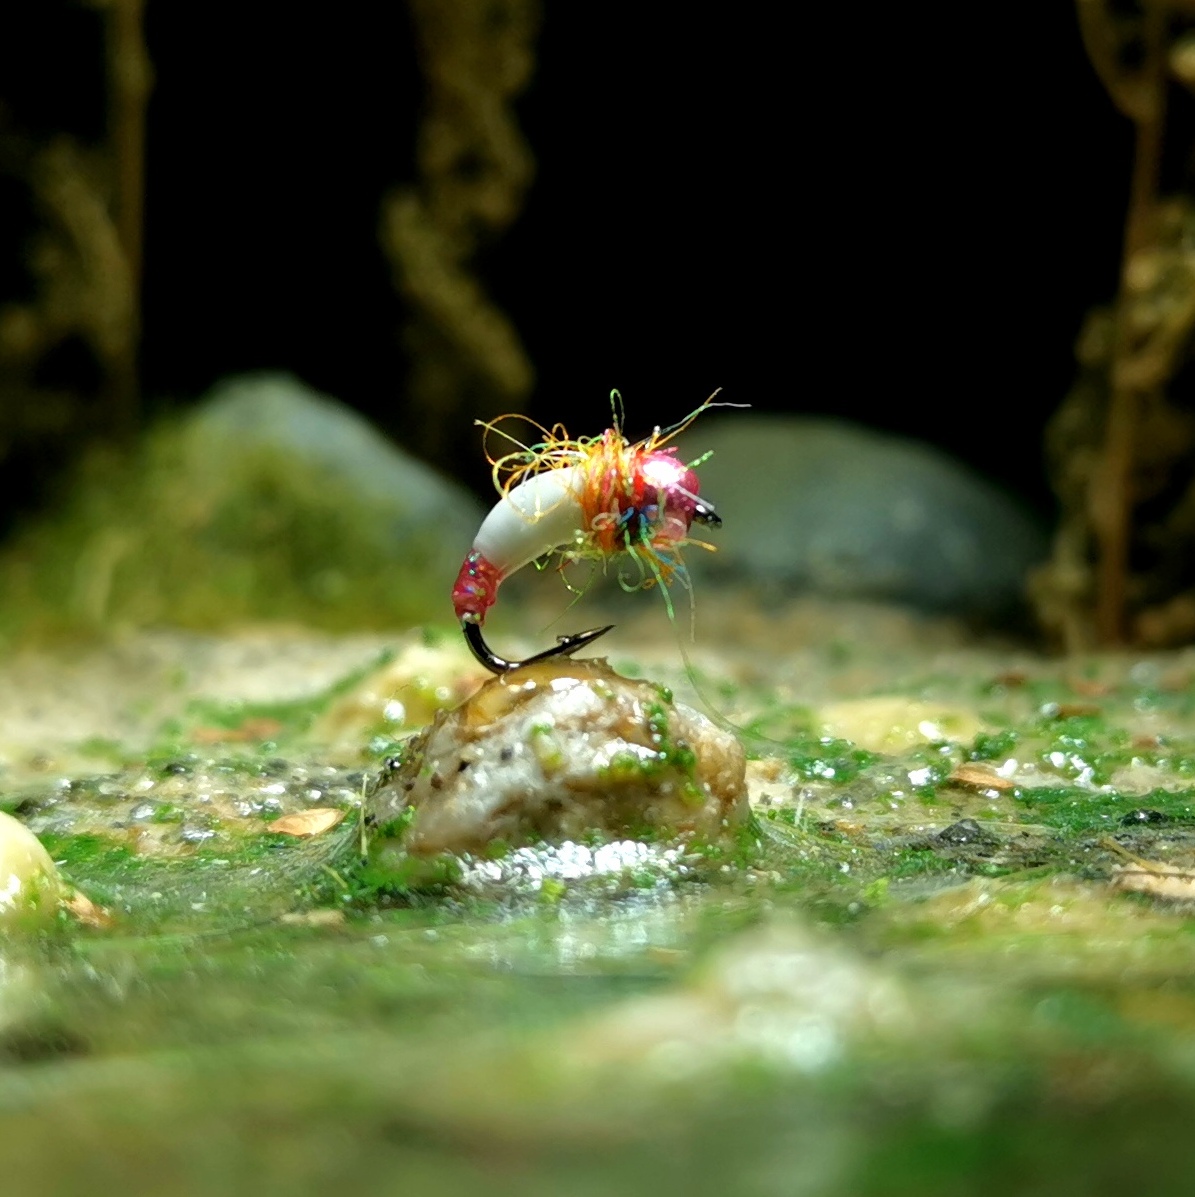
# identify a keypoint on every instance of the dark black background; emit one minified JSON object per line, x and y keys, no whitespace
{"x":892,"y":213}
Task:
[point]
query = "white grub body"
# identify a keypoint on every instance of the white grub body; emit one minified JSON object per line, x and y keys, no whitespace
{"x":533,"y":518}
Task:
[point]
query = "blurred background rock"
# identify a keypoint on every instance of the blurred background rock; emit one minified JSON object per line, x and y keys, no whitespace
{"x":830,"y":507}
{"x":266,"y":500}
{"x":437,"y":212}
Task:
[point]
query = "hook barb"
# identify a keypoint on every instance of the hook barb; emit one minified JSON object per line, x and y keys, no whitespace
{"x":565,"y":647}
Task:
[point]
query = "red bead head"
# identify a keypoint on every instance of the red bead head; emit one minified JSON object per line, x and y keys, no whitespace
{"x":675,"y":489}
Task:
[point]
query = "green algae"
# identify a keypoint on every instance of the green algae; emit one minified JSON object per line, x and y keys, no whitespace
{"x":93,"y":857}
{"x":163,"y":535}
{"x":1071,"y":811}
{"x":391,"y":1017}
{"x":669,"y":760}
{"x":993,"y":746}
{"x":287,"y":720}
{"x":439,"y":1030}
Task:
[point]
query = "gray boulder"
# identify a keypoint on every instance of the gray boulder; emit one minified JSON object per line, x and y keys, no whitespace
{"x":295,"y":506}
{"x":267,"y":501}
{"x":830,"y":507}
{"x":245,"y":418}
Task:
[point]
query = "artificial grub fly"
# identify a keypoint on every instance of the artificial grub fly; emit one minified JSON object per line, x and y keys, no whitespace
{"x":584,"y":499}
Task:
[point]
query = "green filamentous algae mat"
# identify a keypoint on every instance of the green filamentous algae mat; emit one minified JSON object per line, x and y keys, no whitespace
{"x":952,"y":954}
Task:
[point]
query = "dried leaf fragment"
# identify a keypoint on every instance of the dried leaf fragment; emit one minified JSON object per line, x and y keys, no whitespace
{"x":1011,"y":678}
{"x":1071,"y":710}
{"x":251,"y":731}
{"x":85,"y":911}
{"x":1176,"y":681}
{"x":307,"y":822}
{"x":1156,"y":880}
{"x":313,"y":918}
{"x":1090,"y":687}
{"x":981,"y":777}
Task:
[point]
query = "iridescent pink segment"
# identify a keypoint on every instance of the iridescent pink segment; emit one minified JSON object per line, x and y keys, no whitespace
{"x":676,"y":487}
{"x":476,"y":588}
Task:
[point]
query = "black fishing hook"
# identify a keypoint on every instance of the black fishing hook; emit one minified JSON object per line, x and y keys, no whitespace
{"x":565,"y":646}
{"x":703,"y":513}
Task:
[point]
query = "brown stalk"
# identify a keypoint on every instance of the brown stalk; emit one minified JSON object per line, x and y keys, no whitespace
{"x":1142,"y":96}
{"x":130,"y":79}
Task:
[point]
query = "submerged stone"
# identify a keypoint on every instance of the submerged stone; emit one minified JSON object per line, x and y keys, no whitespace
{"x":893,"y":724}
{"x":30,"y":888}
{"x":564,"y":750}
{"x":1136,"y":817}
{"x":265,"y":501}
{"x":964,"y":832}
{"x":780,"y":994}
{"x":408,"y":690}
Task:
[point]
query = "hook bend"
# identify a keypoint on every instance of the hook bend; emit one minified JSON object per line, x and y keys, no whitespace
{"x":565,"y":647}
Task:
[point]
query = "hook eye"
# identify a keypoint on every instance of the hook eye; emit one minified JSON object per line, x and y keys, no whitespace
{"x":704,"y":513}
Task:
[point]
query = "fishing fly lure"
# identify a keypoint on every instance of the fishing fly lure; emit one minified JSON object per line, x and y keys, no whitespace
{"x":585,"y":499}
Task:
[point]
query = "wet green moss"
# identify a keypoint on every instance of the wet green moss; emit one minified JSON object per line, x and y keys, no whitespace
{"x":1042,"y":1015}
{"x":996,"y":746}
{"x":917,"y":862}
{"x":91,"y":856}
{"x":828,"y":759}
{"x":1072,"y":811}
{"x":162,"y":535}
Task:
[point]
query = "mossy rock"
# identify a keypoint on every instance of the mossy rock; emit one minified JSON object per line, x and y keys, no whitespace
{"x":267,"y":501}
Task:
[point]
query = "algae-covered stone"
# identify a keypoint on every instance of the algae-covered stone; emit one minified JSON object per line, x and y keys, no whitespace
{"x":244,"y":418}
{"x":30,"y":888}
{"x":561,"y":751}
{"x":266,"y":501}
{"x":406,"y":691}
{"x":889,"y":723}
{"x":780,"y":994}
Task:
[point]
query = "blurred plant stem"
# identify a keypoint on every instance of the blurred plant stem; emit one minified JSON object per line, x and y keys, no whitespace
{"x":1141,"y":96}
{"x":1118,"y":439}
{"x":130,"y":80}
{"x":85,"y":263}
{"x":474,"y":168}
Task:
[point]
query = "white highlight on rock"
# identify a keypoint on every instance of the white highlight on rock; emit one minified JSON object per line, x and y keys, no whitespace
{"x":524,"y":870}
